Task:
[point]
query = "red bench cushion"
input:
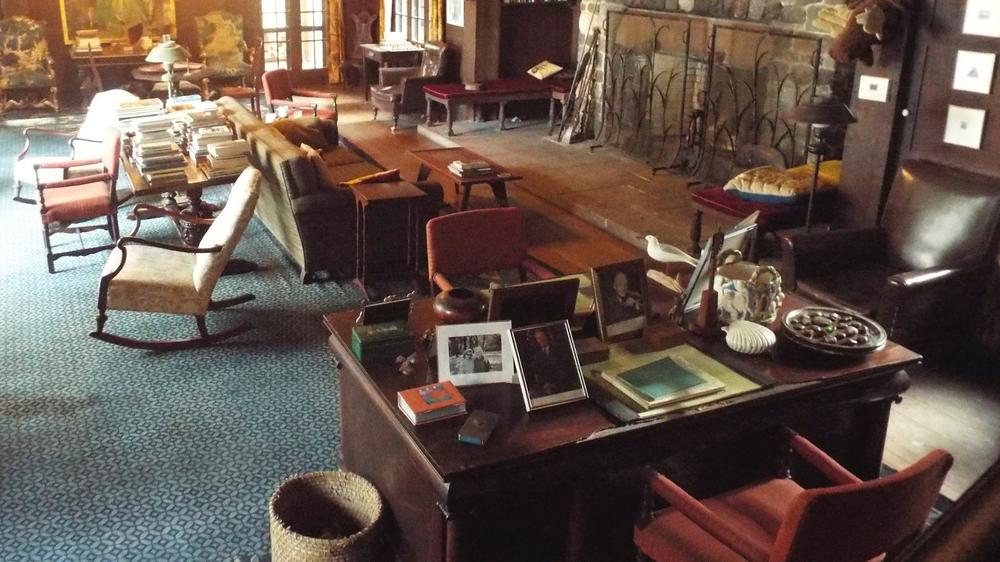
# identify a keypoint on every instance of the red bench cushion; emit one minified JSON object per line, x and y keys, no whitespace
{"x":520,"y":85}
{"x":772,"y":216}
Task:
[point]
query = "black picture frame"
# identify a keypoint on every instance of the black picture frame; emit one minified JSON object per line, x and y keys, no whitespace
{"x":381,"y":312}
{"x":526,"y":304}
{"x":622,"y":297}
{"x":548,"y":371}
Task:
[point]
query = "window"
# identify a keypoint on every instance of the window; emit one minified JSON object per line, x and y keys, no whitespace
{"x":294,"y":34}
{"x":409,"y":17}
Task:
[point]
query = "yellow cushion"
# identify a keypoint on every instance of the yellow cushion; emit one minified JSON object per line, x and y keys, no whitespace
{"x":302,"y":130}
{"x":386,"y":176}
{"x":771,"y":185}
{"x":829,"y":173}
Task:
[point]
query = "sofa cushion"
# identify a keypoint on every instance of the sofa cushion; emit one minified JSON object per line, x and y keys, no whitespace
{"x":386,"y":176}
{"x":339,"y":156}
{"x":303,"y":130}
{"x":326,"y":179}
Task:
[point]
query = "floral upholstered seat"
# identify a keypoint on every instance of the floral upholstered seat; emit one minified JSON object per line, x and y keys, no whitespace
{"x":223,"y":49}
{"x":27,"y":74}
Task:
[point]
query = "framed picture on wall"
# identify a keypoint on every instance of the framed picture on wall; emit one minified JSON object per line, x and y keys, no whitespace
{"x":454,"y":12}
{"x":112,"y":19}
{"x":974,"y":71}
{"x":964,"y":126}
{"x":982,"y":17}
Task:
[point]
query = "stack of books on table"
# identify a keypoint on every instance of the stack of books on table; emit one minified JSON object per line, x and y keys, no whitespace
{"x":471,"y":168}
{"x":200,"y":139}
{"x":188,"y":123}
{"x":431,"y":402}
{"x":134,"y":109}
{"x":227,"y":158}
{"x":160,"y":162}
{"x":151,"y":130}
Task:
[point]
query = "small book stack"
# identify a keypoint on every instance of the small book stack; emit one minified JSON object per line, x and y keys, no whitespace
{"x":134,"y":109}
{"x":471,"y":169}
{"x":431,"y":403}
{"x":200,"y":138}
{"x":87,"y":41}
{"x":227,"y":158}
{"x":155,"y":153}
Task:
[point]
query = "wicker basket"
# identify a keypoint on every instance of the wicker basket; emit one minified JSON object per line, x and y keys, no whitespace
{"x":327,"y":516}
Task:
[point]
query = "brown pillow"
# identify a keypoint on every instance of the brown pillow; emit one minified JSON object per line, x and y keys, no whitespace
{"x":303,"y":130}
{"x":326,"y":179}
{"x":386,"y":176}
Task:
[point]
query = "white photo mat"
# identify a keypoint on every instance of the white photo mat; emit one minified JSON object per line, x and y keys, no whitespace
{"x":982,"y":17}
{"x":964,"y":126}
{"x":873,"y":88}
{"x":454,"y":366}
{"x":974,"y":71}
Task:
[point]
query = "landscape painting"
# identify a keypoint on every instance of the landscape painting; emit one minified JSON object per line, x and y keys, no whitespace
{"x":112,"y":18}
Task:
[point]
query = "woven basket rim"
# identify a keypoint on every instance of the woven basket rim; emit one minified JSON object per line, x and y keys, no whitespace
{"x":341,"y":542}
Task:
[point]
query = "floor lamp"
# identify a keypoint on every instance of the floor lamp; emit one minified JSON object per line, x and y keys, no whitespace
{"x":167,"y":52}
{"x":820,"y":114}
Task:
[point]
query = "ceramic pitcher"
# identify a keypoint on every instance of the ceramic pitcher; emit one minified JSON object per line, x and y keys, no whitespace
{"x":748,"y":291}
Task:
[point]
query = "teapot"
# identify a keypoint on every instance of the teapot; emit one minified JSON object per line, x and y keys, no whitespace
{"x":747,"y":291}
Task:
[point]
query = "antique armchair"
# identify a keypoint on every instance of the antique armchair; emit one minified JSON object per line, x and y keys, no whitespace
{"x":779,"y":521}
{"x":401,"y":89}
{"x":83,"y":144}
{"x":280,"y":92}
{"x":222,"y":48}
{"x":149,"y":276}
{"x":475,"y":242}
{"x":250,"y":89}
{"x":922,"y":271}
{"x":27,"y":72}
{"x":81,"y":199}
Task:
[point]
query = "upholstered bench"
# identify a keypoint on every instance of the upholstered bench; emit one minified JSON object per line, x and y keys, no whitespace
{"x":500,"y":92}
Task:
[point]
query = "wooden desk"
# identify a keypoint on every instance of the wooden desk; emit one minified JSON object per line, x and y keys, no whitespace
{"x":95,"y":72}
{"x":389,"y":228}
{"x":438,"y":160}
{"x":376,"y":56}
{"x":438,"y":489}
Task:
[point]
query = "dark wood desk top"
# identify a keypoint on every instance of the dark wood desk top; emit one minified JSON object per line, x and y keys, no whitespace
{"x":368,"y":192}
{"x":438,"y":159}
{"x":521,"y":437}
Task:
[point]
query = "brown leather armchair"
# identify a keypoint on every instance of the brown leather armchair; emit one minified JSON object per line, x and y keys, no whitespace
{"x":401,"y":90}
{"x":922,"y":273}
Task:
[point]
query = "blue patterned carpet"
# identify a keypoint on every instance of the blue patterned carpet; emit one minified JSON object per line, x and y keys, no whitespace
{"x":108,"y":453}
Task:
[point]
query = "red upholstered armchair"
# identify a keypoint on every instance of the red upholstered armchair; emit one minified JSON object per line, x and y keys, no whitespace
{"x":778,"y":520}
{"x":63,"y":203}
{"x":401,"y":90}
{"x":279,"y":91}
{"x":473,"y":242}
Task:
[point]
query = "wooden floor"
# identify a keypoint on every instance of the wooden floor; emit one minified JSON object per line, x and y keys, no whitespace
{"x":957,"y":408}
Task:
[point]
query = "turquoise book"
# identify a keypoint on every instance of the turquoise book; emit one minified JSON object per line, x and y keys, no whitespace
{"x":665,"y":381}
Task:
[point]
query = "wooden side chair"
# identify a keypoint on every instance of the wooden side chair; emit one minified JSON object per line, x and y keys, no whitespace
{"x":65,"y":203}
{"x":779,"y":521}
{"x":250,"y":88}
{"x":279,"y":91}
{"x":475,"y":242}
{"x":148,"y":276}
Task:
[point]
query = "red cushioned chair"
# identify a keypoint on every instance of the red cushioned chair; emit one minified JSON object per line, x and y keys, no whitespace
{"x":778,"y":520}
{"x":279,"y":91}
{"x":474,"y":242}
{"x":80,"y":199}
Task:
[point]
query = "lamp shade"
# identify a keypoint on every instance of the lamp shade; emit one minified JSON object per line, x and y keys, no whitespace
{"x":823,"y":111}
{"x":167,"y":51}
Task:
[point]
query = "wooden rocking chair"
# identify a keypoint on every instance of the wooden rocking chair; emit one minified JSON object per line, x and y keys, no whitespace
{"x":148,"y":276}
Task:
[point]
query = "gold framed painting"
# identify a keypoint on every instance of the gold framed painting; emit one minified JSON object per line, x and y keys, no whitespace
{"x":112,"y":19}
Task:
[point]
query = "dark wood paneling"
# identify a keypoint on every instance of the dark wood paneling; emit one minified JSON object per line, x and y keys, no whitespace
{"x":531,"y":33}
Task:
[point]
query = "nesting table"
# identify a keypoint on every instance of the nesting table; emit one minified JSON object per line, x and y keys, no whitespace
{"x":438,"y":159}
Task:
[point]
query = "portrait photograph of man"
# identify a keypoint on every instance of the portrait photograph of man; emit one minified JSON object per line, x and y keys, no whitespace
{"x":547,"y":365}
{"x":622,"y":300}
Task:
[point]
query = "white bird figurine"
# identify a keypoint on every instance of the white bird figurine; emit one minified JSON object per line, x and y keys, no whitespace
{"x":666,"y":253}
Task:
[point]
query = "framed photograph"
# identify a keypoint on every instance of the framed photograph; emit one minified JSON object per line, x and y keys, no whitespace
{"x":527,"y":304}
{"x":974,"y":71}
{"x":454,"y":12}
{"x":736,"y":239}
{"x":622,"y":299}
{"x":982,"y":17}
{"x":964,"y":126}
{"x":475,"y":353}
{"x":873,"y":88}
{"x":547,"y":365}
{"x":382,"y":312}
{"x":112,"y":18}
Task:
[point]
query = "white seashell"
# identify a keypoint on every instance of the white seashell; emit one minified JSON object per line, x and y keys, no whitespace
{"x":750,"y":338}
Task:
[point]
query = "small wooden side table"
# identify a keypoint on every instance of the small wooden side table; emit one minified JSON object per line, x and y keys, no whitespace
{"x":438,"y":160}
{"x":389,"y":231}
{"x":375,"y":56}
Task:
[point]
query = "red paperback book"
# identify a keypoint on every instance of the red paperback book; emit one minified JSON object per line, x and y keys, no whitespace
{"x":431,"y":402}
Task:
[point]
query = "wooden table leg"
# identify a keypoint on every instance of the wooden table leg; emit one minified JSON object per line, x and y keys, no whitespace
{"x":465,"y":196}
{"x":696,"y":233}
{"x":364,"y":77}
{"x":427,"y":119}
{"x":447,"y":107}
{"x":503,"y":106}
{"x":499,"y":192}
{"x":552,"y":115}
{"x":424,"y":172}
{"x":451,"y":542}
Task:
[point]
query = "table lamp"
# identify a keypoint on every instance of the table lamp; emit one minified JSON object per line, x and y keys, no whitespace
{"x":167,"y":52}
{"x":820,"y":114}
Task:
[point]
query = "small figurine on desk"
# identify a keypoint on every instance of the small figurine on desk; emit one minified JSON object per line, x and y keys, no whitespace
{"x":707,"y":322}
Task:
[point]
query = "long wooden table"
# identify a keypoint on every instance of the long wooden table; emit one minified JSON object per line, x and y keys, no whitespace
{"x":549,"y":467}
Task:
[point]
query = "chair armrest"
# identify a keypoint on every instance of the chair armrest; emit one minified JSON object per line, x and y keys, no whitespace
{"x":65,"y":164}
{"x":393,"y":76}
{"x":296,"y":104}
{"x":821,"y":461}
{"x":538,"y":269}
{"x":75,"y":181}
{"x":322,"y":201}
{"x":917,"y":303}
{"x":745,"y":546}
{"x":808,"y":255}
{"x":442,"y":282}
{"x":311,"y":93}
{"x":28,"y":132}
{"x":134,"y":241}
{"x":413,"y":87}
